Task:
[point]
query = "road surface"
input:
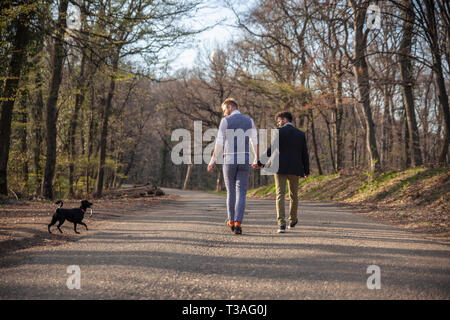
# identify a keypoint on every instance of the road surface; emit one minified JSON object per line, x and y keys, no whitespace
{"x":182,"y":250}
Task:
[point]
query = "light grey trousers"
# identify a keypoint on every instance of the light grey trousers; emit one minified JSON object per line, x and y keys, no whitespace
{"x":235,"y":177}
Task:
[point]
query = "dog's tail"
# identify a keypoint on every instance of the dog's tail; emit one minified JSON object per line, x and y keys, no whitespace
{"x":60,"y":203}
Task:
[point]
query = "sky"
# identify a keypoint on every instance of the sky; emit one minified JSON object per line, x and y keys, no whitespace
{"x":213,"y":14}
{"x":222,"y":19}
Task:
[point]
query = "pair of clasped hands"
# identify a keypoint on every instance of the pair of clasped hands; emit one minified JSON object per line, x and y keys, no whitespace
{"x":257,"y":165}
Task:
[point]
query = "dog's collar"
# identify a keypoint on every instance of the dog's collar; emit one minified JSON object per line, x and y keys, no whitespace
{"x":84,"y":210}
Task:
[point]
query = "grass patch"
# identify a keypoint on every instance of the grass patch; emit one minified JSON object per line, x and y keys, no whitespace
{"x":220,"y":193}
{"x":397,"y":185}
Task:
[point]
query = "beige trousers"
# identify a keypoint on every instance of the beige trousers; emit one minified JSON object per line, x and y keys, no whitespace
{"x":280,"y":184}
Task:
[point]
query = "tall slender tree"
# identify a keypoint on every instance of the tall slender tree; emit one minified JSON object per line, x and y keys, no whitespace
{"x":430,"y":28}
{"x":408,"y":81}
{"x":361,"y":72}
{"x":21,"y":38}
{"x":51,"y":105}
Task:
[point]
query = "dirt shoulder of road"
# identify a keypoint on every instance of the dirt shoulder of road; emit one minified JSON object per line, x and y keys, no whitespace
{"x":23,"y":224}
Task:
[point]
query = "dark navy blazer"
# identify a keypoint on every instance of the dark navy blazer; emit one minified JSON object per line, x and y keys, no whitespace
{"x":294,"y":157}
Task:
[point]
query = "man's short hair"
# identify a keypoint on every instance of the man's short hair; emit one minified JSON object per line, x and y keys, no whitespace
{"x":231,"y":102}
{"x":284,"y":114}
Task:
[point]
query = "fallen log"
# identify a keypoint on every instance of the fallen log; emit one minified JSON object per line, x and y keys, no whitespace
{"x":134,"y":192}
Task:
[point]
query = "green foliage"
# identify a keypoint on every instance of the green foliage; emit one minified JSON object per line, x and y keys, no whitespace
{"x":408,"y":178}
{"x":373,"y":183}
{"x":412,"y":175}
{"x":392,"y":186}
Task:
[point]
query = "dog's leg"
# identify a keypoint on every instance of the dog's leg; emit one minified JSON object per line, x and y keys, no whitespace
{"x":54,"y":219}
{"x":60,"y":224}
{"x":84,"y":224}
{"x":75,"y":227}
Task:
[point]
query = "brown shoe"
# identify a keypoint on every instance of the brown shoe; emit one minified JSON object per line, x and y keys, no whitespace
{"x":230,"y":224}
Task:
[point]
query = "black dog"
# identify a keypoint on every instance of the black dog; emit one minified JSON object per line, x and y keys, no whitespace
{"x":75,"y":215}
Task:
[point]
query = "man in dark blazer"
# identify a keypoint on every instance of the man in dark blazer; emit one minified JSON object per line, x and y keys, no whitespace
{"x":293,"y":163}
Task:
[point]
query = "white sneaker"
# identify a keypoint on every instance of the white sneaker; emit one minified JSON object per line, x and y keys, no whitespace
{"x":293,"y":224}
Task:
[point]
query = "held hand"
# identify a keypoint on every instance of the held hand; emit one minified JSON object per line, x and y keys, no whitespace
{"x":260,"y":164}
{"x":257,"y":165}
{"x":211,"y":167}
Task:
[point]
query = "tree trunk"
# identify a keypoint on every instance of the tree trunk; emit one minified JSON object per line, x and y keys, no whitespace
{"x":339,"y":114}
{"x":23,"y":137}
{"x":188,"y":176}
{"x":313,"y":135}
{"x":37,"y":132}
{"x":387,"y":127}
{"x":426,"y":125}
{"x":16,"y":63}
{"x":407,"y":146}
{"x":355,"y":136}
{"x":440,"y":81}
{"x":407,"y":85}
{"x":163,"y":168}
{"x":79,"y":98}
{"x":219,"y":181}
{"x":55,"y":82}
{"x":90,"y":143}
{"x":361,"y":72}
{"x":116,"y":179}
{"x":330,"y":144}
{"x":107,"y":105}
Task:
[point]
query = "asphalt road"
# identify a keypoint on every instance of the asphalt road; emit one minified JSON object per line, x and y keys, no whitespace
{"x":182,"y":250}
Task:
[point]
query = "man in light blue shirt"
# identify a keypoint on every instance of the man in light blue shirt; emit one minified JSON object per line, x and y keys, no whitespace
{"x":236,"y":133}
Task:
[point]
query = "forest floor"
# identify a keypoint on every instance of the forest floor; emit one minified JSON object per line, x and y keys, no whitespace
{"x":23,"y":224}
{"x":415,"y":199}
